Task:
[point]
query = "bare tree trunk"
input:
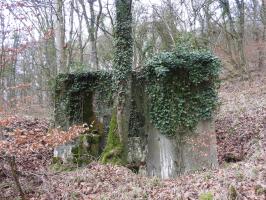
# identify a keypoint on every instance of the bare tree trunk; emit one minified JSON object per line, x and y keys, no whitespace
{"x":207,"y":14}
{"x":60,"y":37}
{"x":92,"y":39}
{"x":235,"y":37}
{"x":70,"y":42}
{"x":110,"y":15}
{"x":263,"y":41}
{"x":12,"y":78}
{"x":13,"y":166}
{"x":91,"y":24}
{"x":240,"y":39}
{"x":79,"y":33}
{"x":2,"y":53}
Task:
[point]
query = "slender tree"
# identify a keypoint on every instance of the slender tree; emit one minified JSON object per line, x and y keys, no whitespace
{"x":262,"y":48}
{"x":60,"y":37}
{"x":123,"y":65}
{"x":92,"y":23}
{"x":116,"y":150}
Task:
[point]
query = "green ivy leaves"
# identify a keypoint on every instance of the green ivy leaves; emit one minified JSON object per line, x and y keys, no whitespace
{"x":72,"y":90}
{"x":182,"y":88}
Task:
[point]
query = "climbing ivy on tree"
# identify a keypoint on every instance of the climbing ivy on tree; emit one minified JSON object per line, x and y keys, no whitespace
{"x":122,"y":77}
{"x":182,"y":88}
{"x":123,"y":42}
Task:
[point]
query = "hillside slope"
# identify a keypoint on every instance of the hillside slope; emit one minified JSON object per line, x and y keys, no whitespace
{"x":241,"y":136}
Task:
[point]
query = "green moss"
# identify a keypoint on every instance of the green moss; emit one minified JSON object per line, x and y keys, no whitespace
{"x":94,"y":144}
{"x":96,"y":127}
{"x":113,"y":152}
{"x":206,"y":196}
{"x":232,"y":193}
{"x":93,"y":138}
{"x":80,"y":153}
{"x":58,"y":166}
{"x":56,"y":160}
{"x":87,"y":149}
{"x":259,"y":190}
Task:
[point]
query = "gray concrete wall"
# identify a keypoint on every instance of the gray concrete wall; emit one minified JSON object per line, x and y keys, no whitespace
{"x":165,"y":157}
{"x":199,"y":149}
{"x":161,"y":155}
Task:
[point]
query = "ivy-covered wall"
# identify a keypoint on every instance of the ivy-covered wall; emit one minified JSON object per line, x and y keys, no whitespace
{"x":82,"y":98}
{"x":88,"y":97}
{"x":173,"y":96}
{"x":75,"y":95}
{"x":182,"y":88}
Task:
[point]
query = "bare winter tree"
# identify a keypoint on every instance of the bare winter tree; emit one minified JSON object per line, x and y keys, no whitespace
{"x":60,"y":37}
{"x":262,"y":51}
{"x":92,"y":23}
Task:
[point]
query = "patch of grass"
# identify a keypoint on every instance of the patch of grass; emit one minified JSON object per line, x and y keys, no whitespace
{"x":156,"y":182}
{"x":207,"y":176}
{"x":206,"y":196}
{"x":259,"y":190}
{"x":240,"y":176}
{"x":232,"y":193}
{"x":58,"y":166}
{"x":74,"y":196}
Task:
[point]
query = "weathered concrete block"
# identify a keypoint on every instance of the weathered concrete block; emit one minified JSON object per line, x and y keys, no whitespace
{"x":199,"y":149}
{"x":81,"y":151}
{"x":137,"y":150}
{"x":150,"y":151}
{"x":170,"y":156}
{"x":64,"y":152}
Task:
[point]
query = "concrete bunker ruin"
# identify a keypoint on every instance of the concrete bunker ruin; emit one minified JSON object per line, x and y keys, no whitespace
{"x":88,"y":98}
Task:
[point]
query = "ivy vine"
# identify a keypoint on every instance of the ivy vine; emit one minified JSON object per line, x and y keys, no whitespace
{"x":182,"y":88}
{"x":123,"y":51}
{"x":73,"y":93}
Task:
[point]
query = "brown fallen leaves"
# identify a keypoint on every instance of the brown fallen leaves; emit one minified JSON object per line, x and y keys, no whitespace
{"x":240,"y":128}
{"x":236,"y":134}
{"x":21,"y":137}
{"x":241,"y":117}
{"x":98,"y":181}
{"x":31,"y":142}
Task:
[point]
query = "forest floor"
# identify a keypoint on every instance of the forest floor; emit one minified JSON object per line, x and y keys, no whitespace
{"x":241,"y":138}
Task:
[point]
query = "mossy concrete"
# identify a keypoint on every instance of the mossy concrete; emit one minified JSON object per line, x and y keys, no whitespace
{"x":148,"y":149}
{"x":81,"y":151}
{"x":113,"y":151}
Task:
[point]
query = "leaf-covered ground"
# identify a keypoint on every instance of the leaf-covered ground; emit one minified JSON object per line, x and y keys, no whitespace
{"x":241,"y":137}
